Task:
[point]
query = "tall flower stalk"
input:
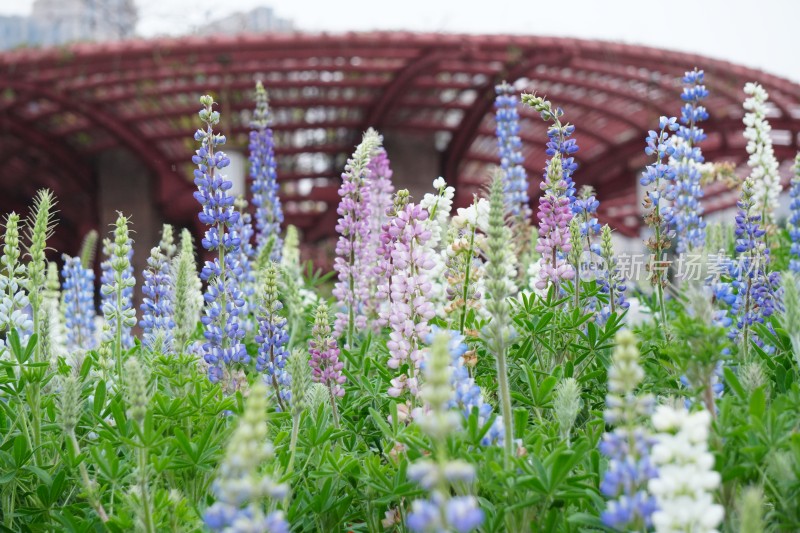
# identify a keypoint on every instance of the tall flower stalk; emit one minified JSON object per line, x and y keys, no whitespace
{"x":224,"y":299}
{"x":659,"y":176}
{"x":118,"y":309}
{"x":499,"y":285}
{"x":157,"y":322}
{"x":272,"y":339}
{"x":687,"y":191}
{"x":555,"y":215}
{"x":793,"y":224}
{"x":326,"y":368}
{"x":14,"y":300}
{"x":187,"y":292}
{"x":686,"y":476}
{"x":353,"y":256}
{"x":264,"y":176}
{"x":627,"y":446}
{"x":79,"y":310}
{"x":515,"y":179}
{"x":762,"y":162}
{"x":441,"y":511}
{"x":611,"y":282}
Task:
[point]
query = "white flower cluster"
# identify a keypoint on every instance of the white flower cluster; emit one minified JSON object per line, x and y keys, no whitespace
{"x":762,"y":162}
{"x":438,"y":205}
{"x":686,"y":473}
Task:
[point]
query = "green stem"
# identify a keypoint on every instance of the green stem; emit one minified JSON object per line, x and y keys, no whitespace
{"x":293,"y":443}
{"x":87,"y":483}
{"x":505,"y":402}
{"x":147,"y":514}
{"x":334,"y":410}
{"x":464,"y":292}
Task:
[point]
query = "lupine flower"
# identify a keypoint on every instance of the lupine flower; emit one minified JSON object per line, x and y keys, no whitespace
{"x":223,"y":298}
{"x":790,"y":317}
{"x":686,"y":161}
{"x":51,"y":306}
{"x":156,"y":306}
{"x":438,"y":206}
{"x":499,"y":287}
{"x":555,"y":214}
{"x":762,"y":162}
{"x":611,"y":281}
{"x":756,"y":290}
{"x":353,"y":256}
{"x":410,"y":286}
{"x":384,"y":265}
{"x":240,"y":488}
{"x":464,"y":267}
{"x":441,"y":511}
{"x":686,"y":476}
{"x":79,"y":311}
{"x":117,"y":307}
{"x":243,"y":229}
{"x":793,"y":224}
{"x":40,"y":227}
{"x":13,"y":298}
{"x":659,"y":177}
{"x":325,"y":365}
{"x":186,"y":290}
{"x":467,"y":394}
{"x":628,"y":445}
{"x":272,"y":339}
{"x":515,"y":179}
{"x":263,"y":173}
{"x":558,"y":143}
{"x":566,"y":406}
{"x":380,"y":198}
{"x":585,"y":210}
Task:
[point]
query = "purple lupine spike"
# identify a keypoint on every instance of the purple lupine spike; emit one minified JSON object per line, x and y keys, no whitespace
{"x":264,"y":176}
{"x":224,"y":299}
{"x":353,"y":255}
{"x":509,"y":144}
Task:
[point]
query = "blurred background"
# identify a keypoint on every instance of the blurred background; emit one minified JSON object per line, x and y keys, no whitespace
{"x":98,"y":98}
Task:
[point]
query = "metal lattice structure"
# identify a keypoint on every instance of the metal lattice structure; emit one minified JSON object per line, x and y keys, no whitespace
{"x":60,"y":108}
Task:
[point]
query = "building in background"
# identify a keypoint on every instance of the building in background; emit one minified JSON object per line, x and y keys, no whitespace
{"x":57,"y":22}
{"x":259,"y":20}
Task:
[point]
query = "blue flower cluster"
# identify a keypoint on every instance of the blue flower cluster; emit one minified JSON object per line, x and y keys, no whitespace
{"x":156,"y":322}
{"x":794,"y":217}
{"x":223,"y":298}
{"x":272,"y":339}
{"x":686,"y":190}
{"x":611,"y":281}
{"x":559,"y":142}
{"x":753,"y":292}
{"x":79,"y":311}
{"x":269,"y":214}
{"x":468,"y":395}
{"x":459,"y":513}
{"x":515,"y":179}
{"x":117,"y":282}
{"x":625,"y":480}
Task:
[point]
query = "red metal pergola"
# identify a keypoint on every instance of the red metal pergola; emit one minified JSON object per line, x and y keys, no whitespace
{"x":60,"y":108}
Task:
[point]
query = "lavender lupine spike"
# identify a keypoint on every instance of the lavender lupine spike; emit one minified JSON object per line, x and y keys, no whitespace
{"x":630,"y":507}
{"x":793,"y":224}
{"x":157,"y":322}
{"x":79,"y":311}
{"x":326,"y":368}
{"x":384,"y":265}
{"x":509,"y":144}
{"x":687,"y":191}
{"x":659,"y":175}
{"x":762,"y":162}
{"x":272,"y":340}
{"x":223,"y":298}
{"x":245,"y":255}
{"x":558,"y":141}
{"x":354,"y":258}
{"x":554,"y":218}
{"x":380,"y":200}
{"x":410,"y":310}
{"x":13,"y":298}
{"x":264,"y":176}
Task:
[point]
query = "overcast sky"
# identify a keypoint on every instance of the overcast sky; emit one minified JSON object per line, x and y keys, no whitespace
{"x":763,"y":34}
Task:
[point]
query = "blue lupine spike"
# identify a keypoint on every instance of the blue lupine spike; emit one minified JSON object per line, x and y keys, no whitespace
{"x":515,"y":179}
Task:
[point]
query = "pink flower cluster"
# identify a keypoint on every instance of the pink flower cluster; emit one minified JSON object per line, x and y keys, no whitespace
{"x":409,"y":286}
{"x":326,"y":368}
{"x":555,"y":215}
